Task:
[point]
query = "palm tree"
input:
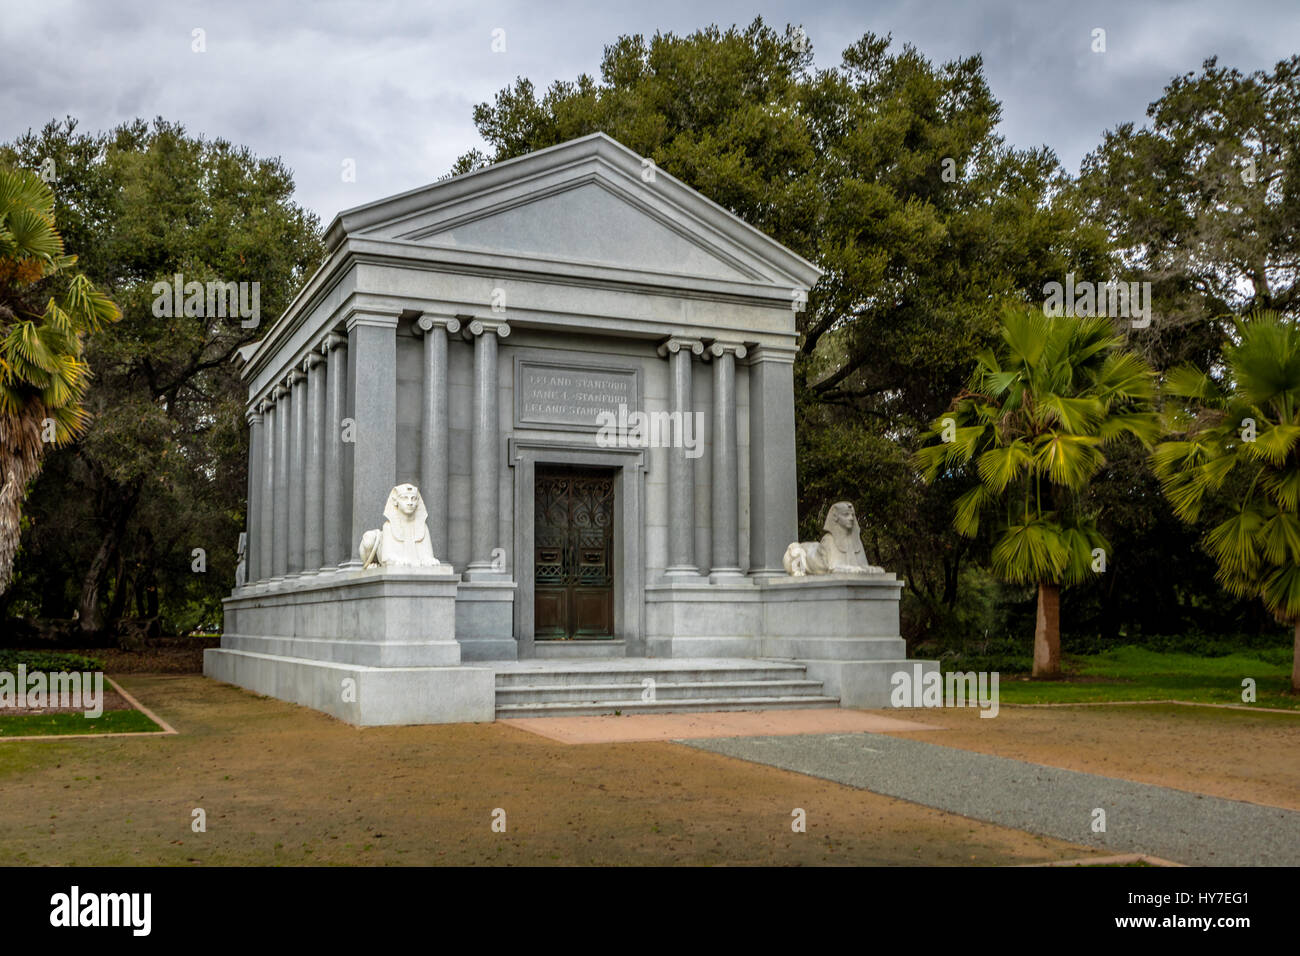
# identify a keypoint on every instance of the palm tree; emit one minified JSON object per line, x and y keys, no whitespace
{"x":1029,"y":431}
{"x":45,"y":314}
{"x":1244,"y":422}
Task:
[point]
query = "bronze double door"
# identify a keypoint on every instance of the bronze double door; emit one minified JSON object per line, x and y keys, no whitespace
{"x":573,"y":553}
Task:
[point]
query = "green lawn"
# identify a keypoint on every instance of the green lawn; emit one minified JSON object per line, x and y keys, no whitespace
{"x":109,"y":722}
{"x":1135,"y":673}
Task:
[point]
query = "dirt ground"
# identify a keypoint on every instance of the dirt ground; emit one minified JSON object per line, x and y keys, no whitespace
{"x":1213,"y":750}
{"x":111,"y":700}
{"x":163,"y":655}
{"x":281,"y":784}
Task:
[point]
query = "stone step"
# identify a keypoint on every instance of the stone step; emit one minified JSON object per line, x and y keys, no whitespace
{"x":638,"y":706}
{"x":676,"y":690}
{"x":767,"y":670}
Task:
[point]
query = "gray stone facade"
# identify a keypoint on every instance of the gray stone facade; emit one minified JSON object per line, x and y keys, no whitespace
{"x":461,"y":336}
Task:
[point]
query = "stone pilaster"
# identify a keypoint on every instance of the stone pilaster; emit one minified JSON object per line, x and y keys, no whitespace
{"x":434,"y":434}
{"x":314,"y":479}
{"x":253,"y":518}
{"x":371,"y":455}
{"x":681,"y":468}
{"x":773,"y":494}
{"x":280,"y":506}
{"x":486,"y":448}
{"x":726,"y":455}
{"x":335,"y":520}
{"x":297,"y":470}
{"x":266,"y":501}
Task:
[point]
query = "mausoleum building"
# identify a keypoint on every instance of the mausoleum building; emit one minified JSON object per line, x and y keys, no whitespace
{"x":585,"y":367}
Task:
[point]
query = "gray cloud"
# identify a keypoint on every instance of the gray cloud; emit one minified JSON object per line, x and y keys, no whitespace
{"x":391,"y":85}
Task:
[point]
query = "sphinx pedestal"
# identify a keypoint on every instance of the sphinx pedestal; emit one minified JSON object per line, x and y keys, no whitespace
{"x":369,"y":647}
{"x":843,"y":627}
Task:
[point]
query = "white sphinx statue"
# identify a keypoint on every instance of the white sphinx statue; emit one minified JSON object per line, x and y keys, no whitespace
{"x":404,"y":541}
{"x":838,"y":552}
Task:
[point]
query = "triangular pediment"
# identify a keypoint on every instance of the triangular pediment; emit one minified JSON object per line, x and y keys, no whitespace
{"x":588,"y":202}
{"x":589,"y":222}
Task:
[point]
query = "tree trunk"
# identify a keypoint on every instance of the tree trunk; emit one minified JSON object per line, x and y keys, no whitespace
{"x":1295,"y":660}
{"x":93,"y":586}
{"x":21,"y":449}
{"x":1047,"y":632}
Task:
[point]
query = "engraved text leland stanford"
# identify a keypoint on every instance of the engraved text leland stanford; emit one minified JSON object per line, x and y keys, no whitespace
{"x":558,"y":395}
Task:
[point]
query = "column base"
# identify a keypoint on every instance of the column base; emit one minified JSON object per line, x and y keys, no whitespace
{"x":684,"y":573}
{"x":485,"y":572}
{"x":728,"y":576}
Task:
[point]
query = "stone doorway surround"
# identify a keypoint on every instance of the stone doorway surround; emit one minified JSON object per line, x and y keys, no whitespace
{"x":524,"y":455}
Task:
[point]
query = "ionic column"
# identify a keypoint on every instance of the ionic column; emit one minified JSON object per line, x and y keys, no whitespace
{"x":253,"y":519}
{"x":370,"y":457}
{"x":486,"y":446}
{"x":297,"y":470}
{"x":266,"y":501}
{"x":335,"y":520}
{"x":280,"y":545}
{"x":681,"y":469}
{"x":434,"y":436}
{"x":773,"y":494}
{"x":726,"y":478}
{"x":314,"y":489}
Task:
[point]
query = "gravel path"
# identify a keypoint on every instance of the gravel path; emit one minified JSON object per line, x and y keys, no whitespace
{"x":1140,"y":818}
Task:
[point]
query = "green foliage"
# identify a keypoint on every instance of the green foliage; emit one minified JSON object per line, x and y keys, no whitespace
{"x":163,"y":469}
{"x":46,"y":313}
{"x":47,"y":661}
{"x":1203,"y":202}
{"x":1027,"y":435}
{"x":1238,"y":452}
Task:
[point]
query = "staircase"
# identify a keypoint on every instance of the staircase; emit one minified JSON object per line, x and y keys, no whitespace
{"x":566,"y":688}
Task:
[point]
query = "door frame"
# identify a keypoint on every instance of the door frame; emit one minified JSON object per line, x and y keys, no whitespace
{"x":523,"y":455}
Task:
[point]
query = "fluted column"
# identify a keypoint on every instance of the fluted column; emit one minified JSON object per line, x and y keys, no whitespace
{"x":297,"y":470}
{"x":773,"y":495}
{"x":370,"y":458}
{"x":335,"y":522}
{"x":681,"y":469}
{"x":434,"y":436}
{"x":253,"y":518}
{"x":486,"y":446}
{"x":280,"y":546}
{"x":726,"y":479}
{"x":314,"y":490}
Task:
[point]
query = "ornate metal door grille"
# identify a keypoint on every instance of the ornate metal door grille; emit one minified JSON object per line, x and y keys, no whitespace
{"x":573,"y":553}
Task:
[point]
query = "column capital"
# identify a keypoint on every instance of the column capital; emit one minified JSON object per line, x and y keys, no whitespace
{"x":355,"y":317}
{"x":720,"y":347}
{"x":311,"y":360}
{"x":772,"y":353}
{"x":279,"y":392}
{"x":674,"y":344}
{"x":294,"y":377}
{"x":254,"y":415}
{"x":428,"y":322}
{"x":332,"y":341}
{"x":477,"y":327}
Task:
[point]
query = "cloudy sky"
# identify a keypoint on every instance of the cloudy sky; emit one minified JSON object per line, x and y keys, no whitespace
{"x":391,"y":84}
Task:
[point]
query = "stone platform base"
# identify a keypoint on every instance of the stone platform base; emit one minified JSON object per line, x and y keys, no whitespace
{"x":862,"y":684}
{"x":361,"y":695}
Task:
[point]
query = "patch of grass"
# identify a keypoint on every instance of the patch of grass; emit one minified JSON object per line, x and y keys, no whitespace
{"x":1137,"y":673}
{"x":109,"y":722}
{"x":48,"y":661}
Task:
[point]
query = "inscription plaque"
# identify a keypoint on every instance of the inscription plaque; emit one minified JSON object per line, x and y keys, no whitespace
{"x":571,"y":396}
